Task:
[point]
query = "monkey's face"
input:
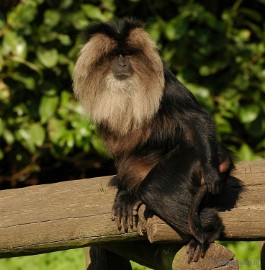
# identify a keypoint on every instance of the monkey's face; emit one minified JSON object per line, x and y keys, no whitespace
{"x":119,"y":77}
{"x":121,"y":67}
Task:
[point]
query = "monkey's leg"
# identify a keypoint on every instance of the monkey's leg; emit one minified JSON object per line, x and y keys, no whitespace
{"x":172,"y":190}
{"x":125,"y":210}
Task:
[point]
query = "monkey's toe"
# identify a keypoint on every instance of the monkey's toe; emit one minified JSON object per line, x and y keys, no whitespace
{"x":196,"y":250}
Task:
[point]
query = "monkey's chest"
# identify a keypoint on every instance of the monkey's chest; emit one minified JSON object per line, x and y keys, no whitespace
{"x":136,"y":153}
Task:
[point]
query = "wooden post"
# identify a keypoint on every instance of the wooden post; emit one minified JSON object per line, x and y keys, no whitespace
{"x":98,"y":258}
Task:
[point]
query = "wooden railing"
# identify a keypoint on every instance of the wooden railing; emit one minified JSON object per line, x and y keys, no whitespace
{"x":77,"y":213}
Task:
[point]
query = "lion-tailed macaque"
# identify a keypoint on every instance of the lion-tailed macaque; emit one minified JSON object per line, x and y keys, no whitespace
{"x":162,"y":140}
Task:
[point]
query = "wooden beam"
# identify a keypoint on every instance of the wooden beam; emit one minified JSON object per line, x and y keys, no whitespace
{"x":77,"y":213}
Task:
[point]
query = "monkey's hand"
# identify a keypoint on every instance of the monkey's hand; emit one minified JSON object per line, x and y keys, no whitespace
{"x":213,"y":180}
{"x":125,"y":210}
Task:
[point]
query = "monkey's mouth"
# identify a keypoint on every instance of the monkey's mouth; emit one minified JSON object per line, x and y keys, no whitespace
{"x":121,"y":76}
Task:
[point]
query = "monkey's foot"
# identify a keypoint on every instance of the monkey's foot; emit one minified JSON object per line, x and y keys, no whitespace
{"x":125,"y":210}
{"x":195,"y":250}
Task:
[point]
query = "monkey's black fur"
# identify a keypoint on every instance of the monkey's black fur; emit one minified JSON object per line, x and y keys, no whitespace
{"x":182,"y":196}
{"x":118,"y":30}
{"x":173,"y":160}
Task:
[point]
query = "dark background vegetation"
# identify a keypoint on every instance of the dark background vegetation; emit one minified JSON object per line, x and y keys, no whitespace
{"x":216,"y":48}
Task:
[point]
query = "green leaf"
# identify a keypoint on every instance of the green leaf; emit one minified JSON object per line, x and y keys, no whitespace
{"x":154,"y":31}
{"x":223,"y":125}
{"x":249,"y":113}
{"x":48,"y":58}
{"x":1,"y":61}
{"x":56,"y":129}
{"x":14,"y":44}
{"x":51,"y":17}
{"x":2,"y":126}
{"x":92,"y":12}
{"x":8,"y":136}
{"x":24,"y":137}
{"x":37,"y":134}
{"x":64,"y":4}
{"x":176,"y":28}
{"x":256,"y":128}
{"x":64,"y":39}
{"x":246,"y":153}
{"x":99,"y":146}
{"x":22,"y":14}
{"x":29,"y":82}
{"x":48,"y":106}
{"x":79,"y":20}
{"x":2,"y":20}
{"x":1,"y":154}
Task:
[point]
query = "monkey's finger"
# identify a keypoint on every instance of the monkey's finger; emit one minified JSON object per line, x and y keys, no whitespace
{"x":118,"y":218}
{"x":137,"y":206}
{"x":191,"y":250}
{"x":130,"y":218}
{"x":124,"y":218}
{"x":135,"y":219}
{"x":113,"y":214}
{"x":203,"y":250}
{"x":197,"y":253}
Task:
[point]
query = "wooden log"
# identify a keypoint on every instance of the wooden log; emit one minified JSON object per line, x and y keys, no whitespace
{"x":78,"y":213}
{"x":173,"y":256}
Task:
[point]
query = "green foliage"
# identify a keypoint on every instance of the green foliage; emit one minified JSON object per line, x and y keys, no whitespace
{"x":39,"y":117}
{"x":216,"y":48}
{"x":60,"y":260}
{"x":247,"y":254}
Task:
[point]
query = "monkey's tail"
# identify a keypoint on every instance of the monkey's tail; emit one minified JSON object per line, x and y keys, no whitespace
{"x":194,"y":215}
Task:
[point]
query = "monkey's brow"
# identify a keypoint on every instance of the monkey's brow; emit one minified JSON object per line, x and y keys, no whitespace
{"x":124,"y":51}
{"x":116,"y":52}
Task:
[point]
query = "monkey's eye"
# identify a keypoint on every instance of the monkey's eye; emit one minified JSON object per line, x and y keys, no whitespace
{"x":127,"y":52}
{"x":124,"y":52}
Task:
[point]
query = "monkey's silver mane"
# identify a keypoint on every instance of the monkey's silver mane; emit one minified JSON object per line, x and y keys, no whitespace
{"x":122,"y":105}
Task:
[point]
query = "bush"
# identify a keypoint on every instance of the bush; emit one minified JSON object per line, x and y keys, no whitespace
{"x":216,"y":48}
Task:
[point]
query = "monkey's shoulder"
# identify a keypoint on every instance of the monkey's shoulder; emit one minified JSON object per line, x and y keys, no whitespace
{"x":177,"y":98}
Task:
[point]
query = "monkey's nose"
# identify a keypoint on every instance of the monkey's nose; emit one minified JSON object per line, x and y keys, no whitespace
{"x":121,"y":67}
{"x":122,"y":62}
